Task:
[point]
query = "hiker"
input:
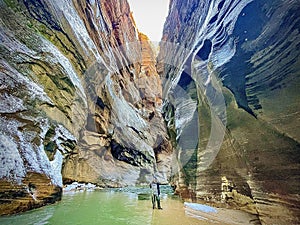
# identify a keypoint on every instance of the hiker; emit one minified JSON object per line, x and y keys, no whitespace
{"x":155,"y":194}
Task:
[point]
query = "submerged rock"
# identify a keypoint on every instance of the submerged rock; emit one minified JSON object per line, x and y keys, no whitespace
{"x":219,"y":215}
{"x":201,"y":207}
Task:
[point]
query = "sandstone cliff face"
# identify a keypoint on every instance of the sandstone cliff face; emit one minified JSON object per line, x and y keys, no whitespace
{"x":80,"y":100}
{"x":238,"y":64}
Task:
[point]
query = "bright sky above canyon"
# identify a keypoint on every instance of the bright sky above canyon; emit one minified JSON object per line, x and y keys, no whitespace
{"x":150,"y":16}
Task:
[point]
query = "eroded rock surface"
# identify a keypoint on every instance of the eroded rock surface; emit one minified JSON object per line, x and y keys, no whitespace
{"x":238,"y":62}
{"x":80,"y":100}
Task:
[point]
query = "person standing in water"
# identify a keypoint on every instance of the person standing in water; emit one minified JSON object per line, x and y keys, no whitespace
{"x":155,"y":194}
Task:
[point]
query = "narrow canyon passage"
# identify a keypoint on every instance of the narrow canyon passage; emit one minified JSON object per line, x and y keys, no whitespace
{"x":208,"y":105}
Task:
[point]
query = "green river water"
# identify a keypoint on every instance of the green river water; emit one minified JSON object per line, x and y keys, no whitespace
{"x":107,"y":207}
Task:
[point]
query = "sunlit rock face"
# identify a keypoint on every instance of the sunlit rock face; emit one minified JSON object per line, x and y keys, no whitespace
{"x":80,"y":100}
{"x":238,"y":61}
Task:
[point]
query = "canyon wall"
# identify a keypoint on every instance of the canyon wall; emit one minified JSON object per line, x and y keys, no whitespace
{"x":80,"y":100}
{"x":237,"y":63}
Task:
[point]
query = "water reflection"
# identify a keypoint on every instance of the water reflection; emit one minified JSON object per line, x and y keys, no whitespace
{"x":109,"y":207}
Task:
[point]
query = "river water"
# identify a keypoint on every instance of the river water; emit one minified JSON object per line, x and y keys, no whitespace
{"x":107,"y":207}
